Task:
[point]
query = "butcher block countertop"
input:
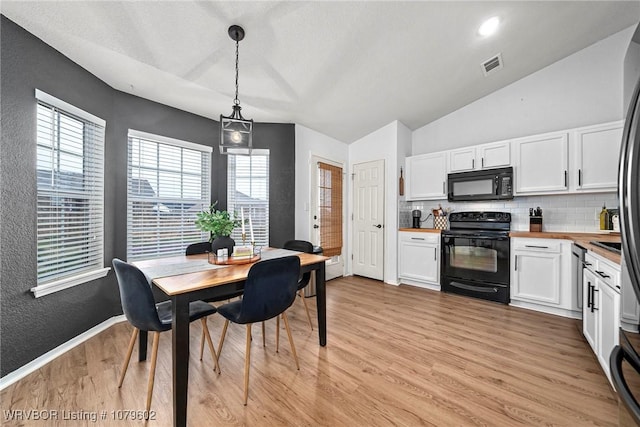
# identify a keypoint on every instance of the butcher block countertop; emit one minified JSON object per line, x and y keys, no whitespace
{"x":422,"y":230}
{"x":582,"y":239}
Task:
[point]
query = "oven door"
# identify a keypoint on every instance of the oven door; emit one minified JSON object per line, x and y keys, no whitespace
{"x":475,"y":257}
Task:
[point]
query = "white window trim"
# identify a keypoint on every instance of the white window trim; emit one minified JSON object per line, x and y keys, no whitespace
{"x":87,"y":276}
{"x":165,"y":139}
{"x":69,"y":282}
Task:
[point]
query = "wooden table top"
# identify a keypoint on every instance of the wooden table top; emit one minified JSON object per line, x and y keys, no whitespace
{"x":189,"y":282}
{"x":581,"y":239}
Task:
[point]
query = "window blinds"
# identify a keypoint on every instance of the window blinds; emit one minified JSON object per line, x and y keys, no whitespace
{"x":168,"y":184}
{"x":70,"y":185}
{"x":248,"y":188}
{"x":330,"y":207}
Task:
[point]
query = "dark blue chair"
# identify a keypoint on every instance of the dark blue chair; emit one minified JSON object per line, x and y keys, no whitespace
{"x":144,"y":314}
{"x":269,"y":291}
{"x":202,"y":248}
{"x":301,"y":246}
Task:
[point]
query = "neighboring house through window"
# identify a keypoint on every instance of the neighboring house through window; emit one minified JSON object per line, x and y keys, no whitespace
{"x":70,"y":186}
{"x":168,"y":184}
{"x":248,"y":190}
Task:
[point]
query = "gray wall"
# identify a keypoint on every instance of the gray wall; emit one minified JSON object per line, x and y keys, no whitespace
{"x":30,"y":327}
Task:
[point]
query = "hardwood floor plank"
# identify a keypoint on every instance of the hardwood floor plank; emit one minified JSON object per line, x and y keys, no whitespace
{"x":400,"y":356}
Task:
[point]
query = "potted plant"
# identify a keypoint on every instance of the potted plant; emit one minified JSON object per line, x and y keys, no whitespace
{"x":220,"y":225}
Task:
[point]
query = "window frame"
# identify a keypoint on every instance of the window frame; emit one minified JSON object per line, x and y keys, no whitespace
{"x":77,"y":278}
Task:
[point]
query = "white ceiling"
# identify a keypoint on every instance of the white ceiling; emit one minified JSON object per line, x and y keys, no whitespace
{"x":342,"y":68}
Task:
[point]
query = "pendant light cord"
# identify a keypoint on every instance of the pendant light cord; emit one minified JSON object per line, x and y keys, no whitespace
{"x":236,"y":101}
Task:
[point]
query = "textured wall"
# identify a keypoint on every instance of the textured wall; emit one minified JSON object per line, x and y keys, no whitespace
{"x":30,"y":327}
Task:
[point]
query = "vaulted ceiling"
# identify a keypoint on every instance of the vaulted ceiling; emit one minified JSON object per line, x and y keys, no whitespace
{"x":342,"y":68}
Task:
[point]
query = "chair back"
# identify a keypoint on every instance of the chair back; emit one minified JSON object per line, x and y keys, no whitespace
{"x":198,"y":248}
{"x":270,"y":289}
{"x":300,"y":246}
{"x":137,"y":299}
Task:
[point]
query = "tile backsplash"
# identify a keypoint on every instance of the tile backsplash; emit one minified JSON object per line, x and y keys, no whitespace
{"x":563,"y":212}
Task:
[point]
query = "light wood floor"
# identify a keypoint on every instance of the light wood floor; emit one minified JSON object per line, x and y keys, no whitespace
{"x":395,"y":356}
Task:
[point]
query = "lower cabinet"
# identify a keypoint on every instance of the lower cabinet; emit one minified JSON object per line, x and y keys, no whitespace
{"x":601,"y":308}
{"x":540,"y":272}
{"x":419,"y":259}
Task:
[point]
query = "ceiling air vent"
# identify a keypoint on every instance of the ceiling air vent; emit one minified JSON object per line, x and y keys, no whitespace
{"x":492,"y":65}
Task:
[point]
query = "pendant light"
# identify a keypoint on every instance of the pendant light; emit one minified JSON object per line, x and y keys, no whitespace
{"x":235,"y":131}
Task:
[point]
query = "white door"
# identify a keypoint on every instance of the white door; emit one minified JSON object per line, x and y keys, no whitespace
{"x":597,"y":149}
{"x":589,"y":319}
{"x":335,"y":266}
{"x":368,"y":219}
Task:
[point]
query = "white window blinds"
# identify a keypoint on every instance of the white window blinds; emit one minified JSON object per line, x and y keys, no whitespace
{"x":70,"y":171}
{"x":248,"y":188}
{"x":168,"y":184}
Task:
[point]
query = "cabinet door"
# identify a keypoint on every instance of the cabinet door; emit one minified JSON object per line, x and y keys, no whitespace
{"x":419,"y":261}
{"x":462,"y":160}
{"x":542,"y":163}
{"x":537,"y":277}
{"x":589,"y":329}
{"x":597,"y":150}
{"x":608,"y":325}
{"x":494,"y":155}
{"x":427,"y":176}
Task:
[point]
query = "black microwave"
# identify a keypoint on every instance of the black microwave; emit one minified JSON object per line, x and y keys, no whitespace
{"x":488,"y":184}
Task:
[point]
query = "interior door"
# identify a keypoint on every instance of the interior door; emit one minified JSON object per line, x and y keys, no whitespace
{"x":368,"y":219}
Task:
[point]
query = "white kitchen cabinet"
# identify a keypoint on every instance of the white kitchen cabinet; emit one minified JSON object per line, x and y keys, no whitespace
{"x":427,"y":176}
{"x":601,"y":309}
{"x":419,"y":259}
{"x":541,"y":163}
{"x":485,"y":156}
{"x":541,"y":276}
{"x":595,"y":152}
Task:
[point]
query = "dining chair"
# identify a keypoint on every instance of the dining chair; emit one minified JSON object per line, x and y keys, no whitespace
{"x":144,"y":314}
{"x":201,"y":248}
{"x":269,"y":290}
{"x":302,"y":246}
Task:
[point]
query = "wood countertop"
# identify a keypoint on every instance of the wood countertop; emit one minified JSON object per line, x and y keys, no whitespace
{"x":581,"y":239}
{"x":421,"y":230}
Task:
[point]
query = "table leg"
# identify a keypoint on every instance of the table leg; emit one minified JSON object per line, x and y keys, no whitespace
{"x":321,"y":301}
{"x":180,"y":349}
{"x":142,"y":346}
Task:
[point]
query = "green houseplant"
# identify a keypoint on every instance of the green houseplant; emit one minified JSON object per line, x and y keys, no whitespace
{"x":220,"y":225}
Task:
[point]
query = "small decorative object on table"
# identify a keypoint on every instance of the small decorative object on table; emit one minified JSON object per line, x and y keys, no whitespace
{"x":535,"y":220}
{"x":240,"y":255}
{"x":440,"y":218}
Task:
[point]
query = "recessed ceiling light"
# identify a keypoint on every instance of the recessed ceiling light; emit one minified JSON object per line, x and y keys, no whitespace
{"x":489,"y":26}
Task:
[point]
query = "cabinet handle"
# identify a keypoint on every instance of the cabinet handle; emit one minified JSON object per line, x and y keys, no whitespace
{"x":483,"y":162}
{"x":443,"y":183}
{"x":589,"y":298}
{"x":603,"y":275}
{"x":435,"y":254}
{"x":417,"y":238}
{"x":587,"y":264}
{"x":516,"y":267}
{"x":473,"y":163}
{"x":593,"y":303}
{"x":536,"y":246}
{"x":565,"y":178}
{"x":579,"y":177}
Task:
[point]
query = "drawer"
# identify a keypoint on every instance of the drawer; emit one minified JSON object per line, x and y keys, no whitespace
{"x":609,"y":275}
{"x":590,"y":261}
{"x":536,"y":245}
{"x":419,"y":237}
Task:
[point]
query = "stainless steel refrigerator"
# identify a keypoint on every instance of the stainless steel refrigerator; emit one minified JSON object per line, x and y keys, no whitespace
{"x":625,"y":358}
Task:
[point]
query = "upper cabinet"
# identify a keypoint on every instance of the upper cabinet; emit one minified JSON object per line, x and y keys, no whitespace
{"x":596,"y":150}
{"x":542,"y":163}
{"x":427,"y":176}
{"x":485,"y":156}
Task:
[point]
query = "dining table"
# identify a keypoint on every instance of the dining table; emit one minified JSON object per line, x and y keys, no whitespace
{"x":184,"y":279}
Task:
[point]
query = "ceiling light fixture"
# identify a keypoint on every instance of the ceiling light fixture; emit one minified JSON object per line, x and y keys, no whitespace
{"x":236,"y":132}
{"x":489,"y":26}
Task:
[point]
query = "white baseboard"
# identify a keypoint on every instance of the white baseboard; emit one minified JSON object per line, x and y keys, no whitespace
{"x":39,"y":362}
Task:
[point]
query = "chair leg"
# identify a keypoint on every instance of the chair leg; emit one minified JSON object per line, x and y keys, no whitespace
{"x":277,"y":333}
{"x":264,"y":340}
{"x":293,"y":347}
{"x":224,"y":333}
{"x":152,"y":372}
{"x":247,"y":364}
{"x":306,"y":308}
{"x":205,"y":331}
{"x":125,"y":365}
{"x":202,"y":338}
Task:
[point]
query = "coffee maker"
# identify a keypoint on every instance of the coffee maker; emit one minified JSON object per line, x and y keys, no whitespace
{"x":416,"y":214}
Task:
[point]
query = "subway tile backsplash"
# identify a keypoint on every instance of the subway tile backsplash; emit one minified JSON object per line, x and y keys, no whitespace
{"x":563,"y":212}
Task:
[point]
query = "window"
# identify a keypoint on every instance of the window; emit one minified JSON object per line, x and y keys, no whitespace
{"x":168,"y":184}
{"x":330,"y":208}
{"x":248,"y":190}
{"x":70,"y":186}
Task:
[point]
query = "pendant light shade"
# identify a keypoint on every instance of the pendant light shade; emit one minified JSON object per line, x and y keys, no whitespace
{"x":236,"y":132}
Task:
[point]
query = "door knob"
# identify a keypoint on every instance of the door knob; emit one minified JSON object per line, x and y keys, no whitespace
{"x":378,"y":226}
